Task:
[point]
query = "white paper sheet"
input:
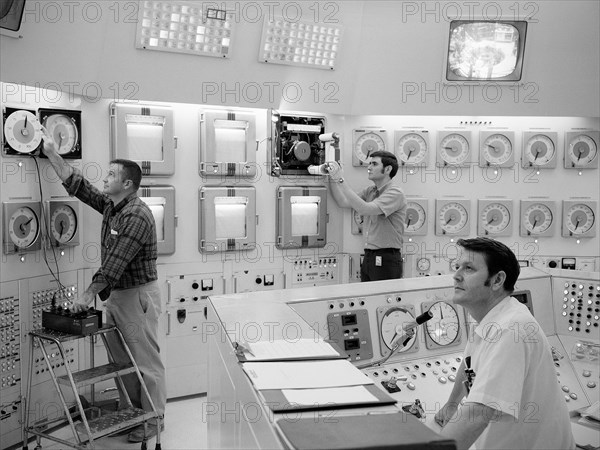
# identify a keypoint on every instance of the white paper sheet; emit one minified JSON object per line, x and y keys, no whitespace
{"x":144,"y":142}
{"x":338,"y":396}
{"x":305,"y":219}
{"x":230,"y":221}
{"x":285,"y":349}
{"x":304,"y":374}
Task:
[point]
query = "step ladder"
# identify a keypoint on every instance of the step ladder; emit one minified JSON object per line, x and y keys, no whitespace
{"x":85,"y":430}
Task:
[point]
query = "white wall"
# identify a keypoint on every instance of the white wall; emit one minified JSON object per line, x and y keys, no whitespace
{"x":388,"y":49}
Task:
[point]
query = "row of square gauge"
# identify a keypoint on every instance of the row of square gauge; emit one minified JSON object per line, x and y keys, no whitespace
{"x":495,"y":217}
{"x":497,"y":148}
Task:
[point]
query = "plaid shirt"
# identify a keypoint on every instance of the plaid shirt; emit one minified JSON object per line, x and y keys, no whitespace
{"x":128,"y":242}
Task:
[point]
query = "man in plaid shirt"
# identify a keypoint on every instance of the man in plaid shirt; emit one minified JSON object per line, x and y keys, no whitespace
{"x":127,"y":276}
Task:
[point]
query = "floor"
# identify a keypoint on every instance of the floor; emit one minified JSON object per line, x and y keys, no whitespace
{"x":184,"y":429}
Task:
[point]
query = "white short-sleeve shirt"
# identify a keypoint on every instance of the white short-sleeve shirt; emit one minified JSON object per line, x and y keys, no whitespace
{"x":515,"y":374}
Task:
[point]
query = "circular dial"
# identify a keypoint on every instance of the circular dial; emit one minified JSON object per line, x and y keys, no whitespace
{"x":454,"y":148}
{"x":495,"y":217}
{"x":496,"y":149}
{"x":444,"y":327}
{"x":64,"y":131}
{"x":423,"y":264}
{"x":579,"y":219}
{"x":358,"y":220}
{"x":366,"y":144}
{"x":22,"y":131}
{"x":63,"y":224}
{"x":537,"y":218}
{"x":23,"y":227}
{"x":582,"y":150}
{"x":391,"y":327}
{"x":412,"y":148}
{"x":452,"y":217}
{"x":539,"y":150}
{"x":415,"y":217}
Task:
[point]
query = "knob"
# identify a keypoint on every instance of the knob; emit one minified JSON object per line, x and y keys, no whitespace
{"x":587,"y":373}
{"x":565,"y":389}
{"x":443,"y":380}
{"x":573,"y":395}
{"x":591,"y":384}
{"x":452,"y":378}
{"x":411,"y":386}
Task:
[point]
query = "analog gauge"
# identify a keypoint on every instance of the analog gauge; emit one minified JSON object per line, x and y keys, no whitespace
{"x":391,"y":327}
{"x":444,"y":328}
{"x":63,"y":224}
{"x":452,"y":218}
{"x":581,"y":152}
{"x":579,"y":219}
{"x":412,"y":148}
{"x":366,"y":143}
{"x":423,"y":264}
{"x":496,"y":150}
{"x":494,"y":218}
{"x":22,"y":131}
{"x":64,"y":131}
{"x":537,"y":219}
{"x":539,"y":151}
{"x":415,"y":217}
{"x":454,"y":149}
{"x":23,"y":227}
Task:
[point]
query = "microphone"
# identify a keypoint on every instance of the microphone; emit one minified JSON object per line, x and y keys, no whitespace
{"x":427,"y":315}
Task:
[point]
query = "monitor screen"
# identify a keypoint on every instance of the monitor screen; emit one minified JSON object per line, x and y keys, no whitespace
{"x":480,"y":50}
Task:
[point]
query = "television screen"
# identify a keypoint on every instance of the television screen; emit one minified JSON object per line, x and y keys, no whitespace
{"x":480,"y":50}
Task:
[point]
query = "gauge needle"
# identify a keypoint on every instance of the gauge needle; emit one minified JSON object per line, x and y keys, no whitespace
{"x":536,"y":155}
{"x":24,"y":224}
{"x":60,"y":139}
{"x":409,"y":153}
{"x":579,"y":157}
{"x":448,"y":148}
{"x":409,"y":220}
{"x":577,"y":223}
{"x":62,"y":227}
{"x":534,"y":223}
{"x":491,"y":146}
{"x":493,"y":219}
{"x":24,"y":131}
{"x":450,"y":219}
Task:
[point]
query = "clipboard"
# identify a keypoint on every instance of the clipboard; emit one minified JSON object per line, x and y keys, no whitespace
{"x":277,"y":402}
{"x":241,"y":350}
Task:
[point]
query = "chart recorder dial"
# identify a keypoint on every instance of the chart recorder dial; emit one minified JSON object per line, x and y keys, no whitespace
{"x":21,"y":227}
{"x":391,"y":328}
{"x":452,"y":218}
{"x":22,"y":132}
{"x":582,"y":150}
{"x":496,"y":149}
{"x":539,"y":150}
{"x":537,"y":218}
{"x":64,"y":226}
{"x":454,"y":149}
{"x":444,"y":329}
{"x":411,"y":148}
{"x":416,"y":217}
{"x":579,"y":218}
{"x":65,"y":127}
{"x":365,"y":143}
{"x":495,"y":218}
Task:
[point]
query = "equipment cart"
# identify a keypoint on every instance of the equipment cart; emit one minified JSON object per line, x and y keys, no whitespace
{"x":86,"y":430}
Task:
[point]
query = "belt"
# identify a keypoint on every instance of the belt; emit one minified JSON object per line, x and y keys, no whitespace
{"x":382,"y":250}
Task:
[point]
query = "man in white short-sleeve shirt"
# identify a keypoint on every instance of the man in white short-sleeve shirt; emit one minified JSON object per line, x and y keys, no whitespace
{"x":507,"y":381}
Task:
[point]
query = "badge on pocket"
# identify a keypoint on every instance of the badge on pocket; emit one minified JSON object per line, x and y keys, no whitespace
{"x":378,"y":261}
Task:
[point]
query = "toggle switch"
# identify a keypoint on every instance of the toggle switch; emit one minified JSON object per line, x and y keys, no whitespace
{"x":181,"y":315}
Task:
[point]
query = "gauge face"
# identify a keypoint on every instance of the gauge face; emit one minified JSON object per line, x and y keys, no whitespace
{"x":423,"y":264}
{"x":23,"y":227}
{"x":582,"y":151}
{"x":539,"y":150}
{"x":415,"y":217}
{"x":64,"y":131}
{"x":537,"y":219}
{"x":444,"y":328}
{"x":496,"y":149}
{"x":412,"y":148}
{"x":366,"y":144}
{"x":452,"y":218}
{"x":63,"y":224}
{"x":22,"y":131}
{"x":391,"y":327}
{"x":579,"y":219}
{"x":494,"y":218}
{"x":454,"y":149}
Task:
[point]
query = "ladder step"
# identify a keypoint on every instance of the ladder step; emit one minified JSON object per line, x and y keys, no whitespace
{"x":97,"y":374}
{"x":114,"y":421}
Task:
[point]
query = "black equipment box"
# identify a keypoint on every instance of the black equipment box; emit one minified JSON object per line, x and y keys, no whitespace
{"x":65,"y":321}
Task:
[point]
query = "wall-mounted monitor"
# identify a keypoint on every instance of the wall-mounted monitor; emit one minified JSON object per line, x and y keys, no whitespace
{"x":301,"y":217}
{"x":485,"y":50}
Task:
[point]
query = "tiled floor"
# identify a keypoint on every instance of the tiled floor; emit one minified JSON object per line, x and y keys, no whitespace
{"x":184,"y":429}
